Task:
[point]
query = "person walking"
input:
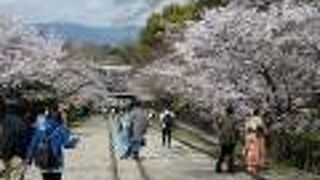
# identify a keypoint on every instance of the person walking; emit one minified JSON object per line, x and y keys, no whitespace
{"x":139,"y":127}
{"x":227,"y":140}
{"x":46,"y":148}
{"x":255,"y":150}
{"x":11,"y":136}
{"x":166,"y":119}
{"x":29,"y":118}
{"x":123,"y":134}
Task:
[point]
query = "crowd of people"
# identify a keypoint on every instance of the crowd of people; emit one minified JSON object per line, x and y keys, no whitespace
{"x":132,"y":125}
{"x":132,"y":122}
{"x":32,"y":133}
{"x":36,"y":133}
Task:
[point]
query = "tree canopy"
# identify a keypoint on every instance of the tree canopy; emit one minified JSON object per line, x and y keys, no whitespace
{"x":246,"y":55}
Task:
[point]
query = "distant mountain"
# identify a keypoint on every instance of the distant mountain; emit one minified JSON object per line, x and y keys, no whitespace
{"x":75,"y":33}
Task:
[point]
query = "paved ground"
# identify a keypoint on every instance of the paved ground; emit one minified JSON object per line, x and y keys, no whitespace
{"x":90,"y":159}
{"x":94,"y":160}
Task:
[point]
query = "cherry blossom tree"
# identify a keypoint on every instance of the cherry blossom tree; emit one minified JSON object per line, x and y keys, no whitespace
{"x":28,"y":55}
{"x":25,"y":52}
{"x":250,"y":53}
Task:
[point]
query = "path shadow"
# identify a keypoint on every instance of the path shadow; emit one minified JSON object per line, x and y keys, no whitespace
{"x":144,"y":174}
{"x":259,"y":177}
{"x":2,"y":173}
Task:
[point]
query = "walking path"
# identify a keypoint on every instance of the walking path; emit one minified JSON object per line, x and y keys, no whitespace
{"x":90,"y":159}
{"x":94,"y":160}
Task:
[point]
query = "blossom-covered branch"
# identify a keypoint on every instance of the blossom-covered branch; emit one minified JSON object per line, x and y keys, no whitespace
{"x":25,"y":52}
{"x":250,"y":53}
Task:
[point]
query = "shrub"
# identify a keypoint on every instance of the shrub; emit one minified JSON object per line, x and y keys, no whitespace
{"x":301,"y":150}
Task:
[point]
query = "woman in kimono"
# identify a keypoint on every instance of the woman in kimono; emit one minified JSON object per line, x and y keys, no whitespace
{"x":255,"y":150}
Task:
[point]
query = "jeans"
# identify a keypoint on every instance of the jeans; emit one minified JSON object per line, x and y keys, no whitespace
{"x":135,"y":148}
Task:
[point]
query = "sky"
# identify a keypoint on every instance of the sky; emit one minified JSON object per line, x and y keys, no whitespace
{"x":97,"y":13}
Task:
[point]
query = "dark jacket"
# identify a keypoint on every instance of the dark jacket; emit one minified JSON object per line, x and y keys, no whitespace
{"x":12,"y":130}
{"x":227,"y":130}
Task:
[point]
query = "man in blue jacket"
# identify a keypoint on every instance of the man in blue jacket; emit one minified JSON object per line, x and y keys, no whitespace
{"x":52,"y":134}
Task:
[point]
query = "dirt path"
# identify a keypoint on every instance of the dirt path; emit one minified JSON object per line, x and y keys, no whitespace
{"x":94,"y":160}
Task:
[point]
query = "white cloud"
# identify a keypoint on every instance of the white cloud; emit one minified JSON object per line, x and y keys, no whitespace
{"x":88,"y":12}
{"x":93,"y":4}
{"x":7,"y":1}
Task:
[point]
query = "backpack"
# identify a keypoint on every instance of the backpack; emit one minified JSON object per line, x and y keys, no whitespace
{"x":45,"y":156}
{"x":167,"y":120}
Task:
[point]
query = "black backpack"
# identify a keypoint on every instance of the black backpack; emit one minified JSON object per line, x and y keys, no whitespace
{"x":45,"y":156}
{"x":168,"y":120}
